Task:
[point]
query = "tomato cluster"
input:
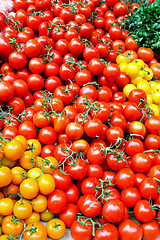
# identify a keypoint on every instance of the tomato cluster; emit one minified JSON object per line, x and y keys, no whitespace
{"x":79,"y":141}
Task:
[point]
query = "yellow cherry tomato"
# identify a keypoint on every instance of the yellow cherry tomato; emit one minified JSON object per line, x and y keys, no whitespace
{"x":132,"y":70}
{"x":141,"y":73}
{"x":157,"y":87}
{"x":5,"y":176}
{"x":55,"y":228}
{"x":0,"y":231}
{"x":34,"y":146}
{"x":29,"y":188}
{"x":136,"y":80}
{"x":46,"y":184}
{"x":39,"y":203}
{"x":6,"y":206}
{"x":123,"y":66}
{"x":22,"y":209}
{"x":144,"y":85}
{"x":153,"y":85}
{"x":139,"y":62}
{"x":154,"y":108}
{"x":39,"y":161}
{"x":148,"y":74}
{"x":34,"y":217}
{"x":13,"y":150}
{"x":8,"y":163}
{"x":122,"y":58}
{"x":128,"y":88}
{"x":17,"y":175}
{"x":23,"y":140}
{"x":50,"y":164}
{"x":149,"y":98}
{"x":156,"y":97}
{"x":34,"y":173}
{"x":27,"y":161}
{"x":47,"y":215}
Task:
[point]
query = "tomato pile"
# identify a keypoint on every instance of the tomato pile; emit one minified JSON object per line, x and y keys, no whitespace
{"x":80,"y":124}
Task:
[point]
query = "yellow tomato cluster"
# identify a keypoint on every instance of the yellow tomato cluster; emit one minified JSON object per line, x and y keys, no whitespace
{"x":32,"y":182}
{"x":141,"y":78}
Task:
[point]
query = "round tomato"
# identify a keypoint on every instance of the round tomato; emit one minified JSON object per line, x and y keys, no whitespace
{"x":81,"y":229}
{"x":113,"y":211}
{"x":107,"y":232}
{"x":69,"y":214}
{"x":57,"y":201}
{"x":10,"y":227}
{"x":29,"y":188}
{"x":35,"y":231}
{"x":128,"y":229}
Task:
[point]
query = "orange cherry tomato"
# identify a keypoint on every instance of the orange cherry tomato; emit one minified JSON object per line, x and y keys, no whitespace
{"x":17,"y":175}
{"x":46,"y":184}
{"x":13,"y":150}
{"x":5,"y":176}
{"x":39,"y":232}
{"x":11,"y":189}
{"x":12,"y":226}
{"x":22,"y":209}
{"x":34,"y":217}
{"x":27,"y":160}
{"x":39,"y":203}
{"x":132,"y":55}
{"x":6,"y":206}
{"x":29,"y":188}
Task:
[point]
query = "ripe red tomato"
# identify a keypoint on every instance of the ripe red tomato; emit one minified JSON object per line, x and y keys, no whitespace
{"x":93,"y":128}
{"x":17,"y":60}
{"x":89,"y":206}
{"x":80,"y":231}
{"x":95,"y":66}
{"x":130,"y":196}
{"x":125,"y":178}
{"x":62,"y":180}
{"x":107,"y":232}
{"x":6,"y":91}
{"x":128,"y":229}
{"x":113,"y":211}
{"x":111,"y":72}
{"x":69,"y":214}
{"x":146,"y":54}
{"x":134,"y":146}
{"x":153,"y":124}
{"x":150,"y":230}
{"x":148,"y":188}
{"x":143,"y":211}
{"x":72,"y":193}
{"x":77,"y":169}
{"x":47,"y":135}
{"x":57,"y":201}
{"x":120,"y":9}
{"x":141,"y":163}
{"x":27,"y":129}
{"x":89,"y":185}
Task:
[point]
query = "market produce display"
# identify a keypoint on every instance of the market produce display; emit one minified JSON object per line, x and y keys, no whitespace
{"x":80,"y":120}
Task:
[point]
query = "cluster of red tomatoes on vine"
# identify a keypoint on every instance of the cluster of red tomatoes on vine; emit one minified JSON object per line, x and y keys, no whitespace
{"x":77,"y":148}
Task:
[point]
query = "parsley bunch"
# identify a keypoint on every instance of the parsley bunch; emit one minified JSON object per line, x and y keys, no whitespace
{"x":144,"y":25}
